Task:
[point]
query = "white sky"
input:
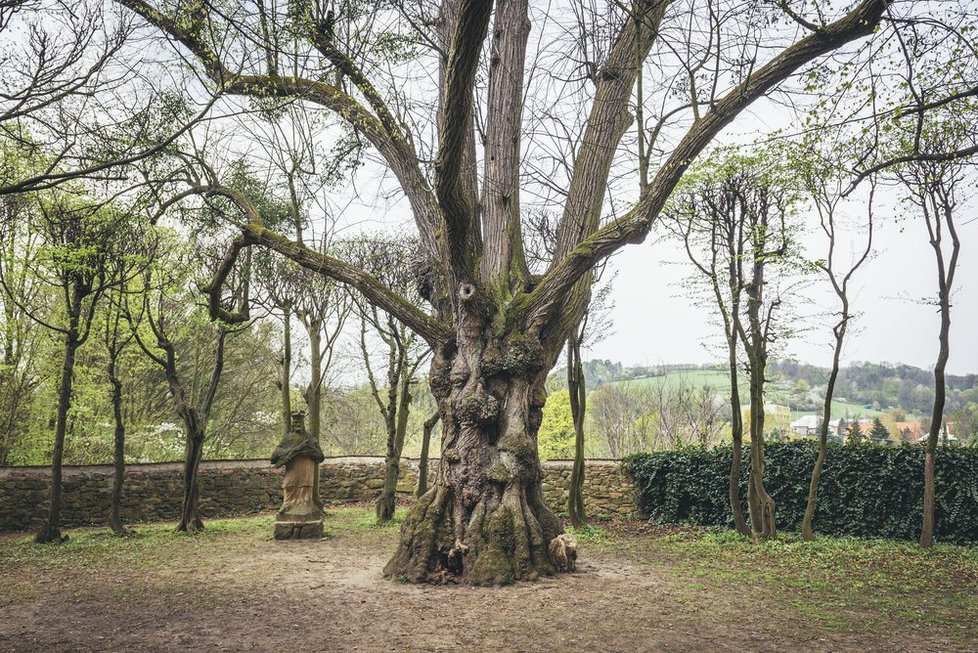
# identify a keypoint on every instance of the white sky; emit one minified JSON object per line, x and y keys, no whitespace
{"x":655,"y":323}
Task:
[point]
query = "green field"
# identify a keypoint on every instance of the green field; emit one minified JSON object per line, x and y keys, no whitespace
{"x":719,"y":380}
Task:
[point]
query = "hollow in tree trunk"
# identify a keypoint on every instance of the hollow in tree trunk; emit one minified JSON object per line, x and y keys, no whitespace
{"x":484,"y":521}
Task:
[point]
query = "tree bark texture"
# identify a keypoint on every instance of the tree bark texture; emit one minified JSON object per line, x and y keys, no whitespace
{"x":119,"y":449}
{"x":51,"y":531}
{"x":429,"y":425}
{"x":484,"y":521}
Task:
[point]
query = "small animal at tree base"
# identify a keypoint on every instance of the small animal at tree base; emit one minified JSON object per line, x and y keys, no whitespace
{"x":563,"y":549}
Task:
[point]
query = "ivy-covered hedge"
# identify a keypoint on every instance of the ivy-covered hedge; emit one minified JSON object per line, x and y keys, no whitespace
{"x":865,"y":490}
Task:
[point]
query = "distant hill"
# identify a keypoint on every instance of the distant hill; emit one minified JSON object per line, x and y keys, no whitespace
{"x":862,"y":389}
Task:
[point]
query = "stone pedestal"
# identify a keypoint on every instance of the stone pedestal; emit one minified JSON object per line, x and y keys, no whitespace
{"x":298,"y":530}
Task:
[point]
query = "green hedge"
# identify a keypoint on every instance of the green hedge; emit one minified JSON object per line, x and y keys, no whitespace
{"x":866,"y":490}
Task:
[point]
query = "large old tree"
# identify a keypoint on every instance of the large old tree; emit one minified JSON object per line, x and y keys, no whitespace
{"x":496,"y":327}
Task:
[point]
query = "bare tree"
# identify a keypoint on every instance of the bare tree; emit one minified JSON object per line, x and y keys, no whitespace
{"x":734,"y":225}
{"x":404,"y":353}
{"x":936,"y":189}
{"x":164,"y":312}
{"x":826,"y":186}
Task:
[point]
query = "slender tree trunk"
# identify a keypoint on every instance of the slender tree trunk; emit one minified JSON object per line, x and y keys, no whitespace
{"x":314,"y":394}
{"x":578,"y":398}
{"x":119,"y":452}
{"x":51,"y":532}
{"x":484,"y":521}
{"x":395,"y":445}
{"x":944,"y":208}
{"x":762,"y":508}
{"x":285,"y":381}
{"x":807,"y":533}
{"x":429,"y":425}
{"x":737,"y":433}
{"x":190,"y":520}
{"x":936,"y":422}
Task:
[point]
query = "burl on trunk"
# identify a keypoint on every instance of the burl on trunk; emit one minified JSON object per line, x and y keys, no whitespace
{"x":484,"y":521}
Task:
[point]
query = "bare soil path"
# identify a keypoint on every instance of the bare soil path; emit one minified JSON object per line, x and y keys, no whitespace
{"x":235,"y":589}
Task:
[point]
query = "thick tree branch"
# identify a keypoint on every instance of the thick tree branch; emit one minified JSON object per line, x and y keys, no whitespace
{"x":382,"y":132}
{"x":253,"y":232}
{"x":636,"y":223}
{"x":504,"y":261}
{"x":453,"y":193}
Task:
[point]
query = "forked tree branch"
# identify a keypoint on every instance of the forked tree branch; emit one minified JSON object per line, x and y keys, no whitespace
{"x":253,"y":232}
{"x":382,"y":132}
{"x":637,"y":222}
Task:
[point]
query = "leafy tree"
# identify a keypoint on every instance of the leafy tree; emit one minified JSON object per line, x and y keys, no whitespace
{"x":854,"y":433}
{"x":878,"y":432}
{"x":83,"y":244}
{"x":556,"y":437}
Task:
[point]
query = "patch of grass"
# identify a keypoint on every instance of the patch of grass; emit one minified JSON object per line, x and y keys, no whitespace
{"x":840,"y":583}
{"x":588,"y":533}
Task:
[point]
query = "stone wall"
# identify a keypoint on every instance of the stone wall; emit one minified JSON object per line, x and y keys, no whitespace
{"x":153,"y":491}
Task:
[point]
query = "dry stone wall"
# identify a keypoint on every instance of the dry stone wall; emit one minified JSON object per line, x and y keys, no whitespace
{"x":152,"y":492}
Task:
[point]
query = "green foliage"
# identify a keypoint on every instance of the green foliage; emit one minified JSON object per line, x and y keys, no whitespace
{"x":555,"y":438}
{"x":878,"y":432}
{"x":865,"y":491}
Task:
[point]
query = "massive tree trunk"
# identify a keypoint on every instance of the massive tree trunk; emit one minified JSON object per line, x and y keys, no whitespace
{"x":578,"y":401}
{"x":51,"y":531}
{"x":484,"y":521}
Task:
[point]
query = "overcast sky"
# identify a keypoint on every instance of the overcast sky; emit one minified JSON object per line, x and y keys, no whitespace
{"x":654,"y":321}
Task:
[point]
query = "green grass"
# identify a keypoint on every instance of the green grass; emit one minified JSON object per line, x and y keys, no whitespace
{"x":719,"y":380}
{"x":841,"y":583}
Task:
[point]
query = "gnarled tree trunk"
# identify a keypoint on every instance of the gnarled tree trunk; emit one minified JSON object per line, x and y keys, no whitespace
{"x":485,"y":520}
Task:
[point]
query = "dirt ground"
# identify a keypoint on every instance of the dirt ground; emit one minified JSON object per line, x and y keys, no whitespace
{"x":235,"y":589}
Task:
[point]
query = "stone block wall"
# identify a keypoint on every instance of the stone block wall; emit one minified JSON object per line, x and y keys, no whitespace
{"x":153,"y":492}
